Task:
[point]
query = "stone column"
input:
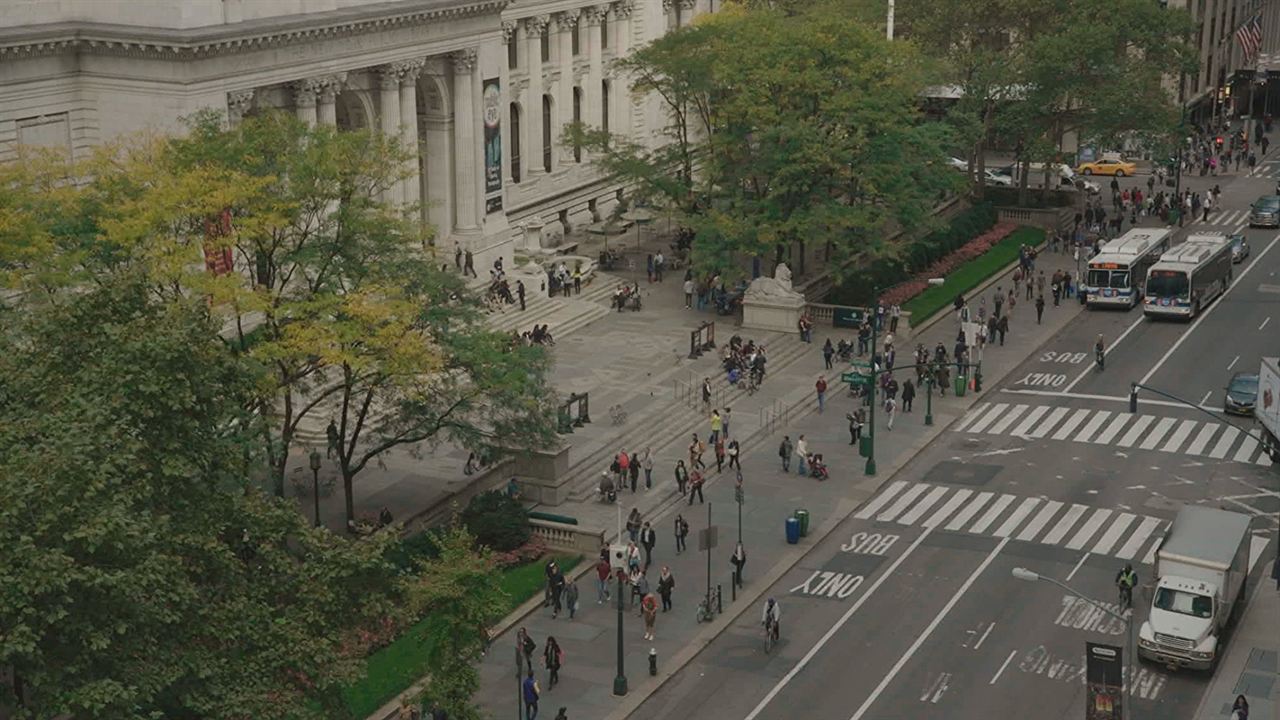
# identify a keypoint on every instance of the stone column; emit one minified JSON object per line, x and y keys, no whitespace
{"x":304,"y":101}
{"x":409,"y":127}
{"x":239,"y":102}
{"x":592,"y":108}
{"x":620,"y":87}
{"x":686,"y":12}
{"x":504,"y":114}
{"x":668,"y":15}
{"x":389,"y":119}
{"x":330,"y":86}
{"x":534,"y":28}
{"x":565,"y":23}
{"x":465,"y":142}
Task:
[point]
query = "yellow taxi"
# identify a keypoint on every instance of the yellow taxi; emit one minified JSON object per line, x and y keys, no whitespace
{"x":1107,"y":166}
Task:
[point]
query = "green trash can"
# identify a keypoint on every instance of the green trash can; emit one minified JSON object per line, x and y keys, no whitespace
{"x":864,"y":446}
{"x":803,"y":517}
{"x":962,"y":384}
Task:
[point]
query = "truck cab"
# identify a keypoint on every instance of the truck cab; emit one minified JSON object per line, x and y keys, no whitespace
{"x":1183,"y":611}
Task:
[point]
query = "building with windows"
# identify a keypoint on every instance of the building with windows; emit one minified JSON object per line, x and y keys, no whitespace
{"x":1221,"y":85}
{"x":482,"y":88}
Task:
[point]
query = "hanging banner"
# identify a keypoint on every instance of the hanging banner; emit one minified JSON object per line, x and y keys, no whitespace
{"x":491,"y":106}
{"x":1104,"y":672}
{"x":218,"y":259}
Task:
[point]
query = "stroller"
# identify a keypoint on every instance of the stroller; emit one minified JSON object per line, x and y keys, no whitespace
{"x":817,"y":468}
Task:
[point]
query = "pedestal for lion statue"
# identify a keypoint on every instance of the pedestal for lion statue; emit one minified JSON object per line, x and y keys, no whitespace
{"x":771,"y":304}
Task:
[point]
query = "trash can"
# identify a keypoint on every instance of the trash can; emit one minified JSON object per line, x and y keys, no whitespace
{"x":962,"y":384}
{"x":803,"y":517}
{"x":793,"y":531}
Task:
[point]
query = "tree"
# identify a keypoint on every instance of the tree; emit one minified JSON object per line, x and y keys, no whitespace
{"x":143,"y":576}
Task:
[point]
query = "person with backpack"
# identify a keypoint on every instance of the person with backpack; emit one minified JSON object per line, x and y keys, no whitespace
{"x":531,"y":694}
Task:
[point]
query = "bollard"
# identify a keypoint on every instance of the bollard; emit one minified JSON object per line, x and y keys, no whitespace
{"x":653,"y":661}
{"x":719,"y":599}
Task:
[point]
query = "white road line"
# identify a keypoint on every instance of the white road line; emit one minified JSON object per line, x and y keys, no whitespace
{"x":1113,"y":533}
{"x":1247,"y":449}
{"x":902,"y":503}
{"x":949,"y":507}
{"x":1225,"y":440}
{"x":1150,"y":556}
{"x":1041,"y":519}
{"x":826,"y":637}
{"x":1264,"y":460}
{"x":1030,"y":420}
{"x":1157,"y":434}
{"x":1024,"y":509}
{"x":1206,"y":433}
{"x":1179,"y":436}
{"x":937,"y":620}
{"x":1007,"y":420}
{"x":1079,"y":564}
{"x":1043,"y":428}
{"x":1234,"y":360}
{"x":1063,"y":525}
{"x":1264,"y":322}
{"x":1105,"y":398}
{"x":1110,"y":348}
{"x":880,"y":500}
{"x":1071,"y":424}
{"x":1140,"y":535}
{"x":1205,"y":399}
{"x":1135,"y":431}
{"x":1113,"y":429}
{"x":969,"y":511}
{"x":1088,"y":529}
{"x":923,"y":506}
{"x":1092,"y":426}
{"x":983,"y":639}
{"x":1205,"y":315}
{"x":989,"y":418}
{"x":1002,"y":667}
{"x":970,"y":417}
{"x":995,"y":511}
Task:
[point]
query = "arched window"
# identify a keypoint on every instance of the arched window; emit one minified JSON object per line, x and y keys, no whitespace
{"x":577,"y":118}
{"x":515,"y":142}
{"x":546,"y":133}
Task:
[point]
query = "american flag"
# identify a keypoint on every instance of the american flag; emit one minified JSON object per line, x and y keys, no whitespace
{"x":1249,"y":35}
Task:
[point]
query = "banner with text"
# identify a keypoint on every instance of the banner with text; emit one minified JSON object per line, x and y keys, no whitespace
{"x":491,"y":105}
{"x":1104,"y":672}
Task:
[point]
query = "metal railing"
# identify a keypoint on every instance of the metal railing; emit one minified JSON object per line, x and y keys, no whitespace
{"x":774,"y":416}
{"x":689,"y":393}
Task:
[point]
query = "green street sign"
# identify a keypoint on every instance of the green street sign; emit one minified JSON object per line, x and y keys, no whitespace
{"x":854,"y":378}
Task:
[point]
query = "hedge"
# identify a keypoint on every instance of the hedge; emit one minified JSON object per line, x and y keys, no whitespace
{"x":971,"y":274}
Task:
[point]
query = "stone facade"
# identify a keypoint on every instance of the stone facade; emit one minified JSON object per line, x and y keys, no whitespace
{"x":437,"y":73}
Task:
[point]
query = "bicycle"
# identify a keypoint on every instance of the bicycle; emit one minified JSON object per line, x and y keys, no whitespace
{"x":617,"y":415}
{"x":1126,"y":597}
{"x":770,"y":636}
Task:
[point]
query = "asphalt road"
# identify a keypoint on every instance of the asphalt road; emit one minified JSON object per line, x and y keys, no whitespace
{"x":909,"y":610}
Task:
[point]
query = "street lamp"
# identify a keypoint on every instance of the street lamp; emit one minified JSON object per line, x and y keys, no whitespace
{"x":620,"y":682}
{"x":315,"y":483}
{"x":870,"y":468}
{"x":1127,"y":619}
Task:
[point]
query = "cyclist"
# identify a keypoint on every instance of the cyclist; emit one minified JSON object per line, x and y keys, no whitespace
{"x":1100,"y":350}
{"x":1126,"y":579}
{"x":771,"y":616}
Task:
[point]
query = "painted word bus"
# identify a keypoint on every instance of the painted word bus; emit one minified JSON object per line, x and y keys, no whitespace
{"x":1188,"y":277}
{"x":1117,"y":273}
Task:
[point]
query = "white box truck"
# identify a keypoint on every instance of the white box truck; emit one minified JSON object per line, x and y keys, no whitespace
{"x":1200,"y":571}
{"x":1266,"y":408}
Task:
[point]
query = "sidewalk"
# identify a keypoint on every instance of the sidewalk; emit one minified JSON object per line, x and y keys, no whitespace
{"x":1251,"y":666}
{"x":588,"y":641}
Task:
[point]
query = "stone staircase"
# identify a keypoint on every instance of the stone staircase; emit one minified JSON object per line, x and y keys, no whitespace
{"x":562,"y":315}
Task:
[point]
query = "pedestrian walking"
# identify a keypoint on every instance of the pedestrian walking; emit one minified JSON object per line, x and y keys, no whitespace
{"x":526,"y":645}
{"x":633,"y":524}
{"x":649,"y":611}
{"x":732,"y":452}
{"x":633,"y":557}
{"x":895,"y":313}
{"x":624,"y":469}
{"x":696,"y":449}
{"x":855,"y":425}
{"x":682,"y":476}
{"x":557,"y":592}
{"x":908,"y":394}
{"x":688,"y":293}
{"x":604,"y":571}
{"x":469,"y":265}
{"x":530,"y":687}
{"x":571,"y":597}
{"x":890,"y":409}
{"x":999,"y":302}
{"x":716,"y":425}
{"x":666,"y":583}
{"x":802,"y":453}
{"x":784,"y":452}
{"x":682,"y":532}
{"x":648,"y":539}
{"x":639,"y":585}
{"x":520,"y":293}
{"x":828,"y":352}
{"x":1040,"y":283}
{"x":1039,"y":308}
{"x":1003,"y":328}
{"x":739,"y":561}
{"x":552,"y":657}
{"x":549,"y":572}
{"x":633,"y":466}
{"x":821,"y":388}
{"x":646,"y":461}
{"x":720,"y":453}
{"x":695,"y":487}
{"x":724,"y":422}
{"x":457,"y":256}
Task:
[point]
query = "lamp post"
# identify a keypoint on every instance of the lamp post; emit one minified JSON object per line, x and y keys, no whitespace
{"x":1127,"y":619}
{"x":870,"y":468}
{"x":620,"y":682}
{"x":739,"y":495}
{"x":928,"y":400}
{"x":315,"y":483}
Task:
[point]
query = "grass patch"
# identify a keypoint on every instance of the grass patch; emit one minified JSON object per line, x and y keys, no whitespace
{"x":971,"y":274}
{"x":391,"y":670}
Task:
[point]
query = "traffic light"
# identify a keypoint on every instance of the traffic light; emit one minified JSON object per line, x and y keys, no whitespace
{"x":1133,"y":399}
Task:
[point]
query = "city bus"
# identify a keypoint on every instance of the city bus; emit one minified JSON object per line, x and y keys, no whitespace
{"x":1119,"y":271}
{"x":1189,"y":277}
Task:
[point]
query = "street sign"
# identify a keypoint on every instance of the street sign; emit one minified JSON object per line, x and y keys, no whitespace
{"x":856,"y":378}
{"x":847,"y":317}
{"x":708,"y":538}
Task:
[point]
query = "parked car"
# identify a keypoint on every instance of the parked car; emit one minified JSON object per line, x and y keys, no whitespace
{"x":1265,"y":212}
{"x":1108,"y":166}
{"x":1242,"y":394}
{"x":1239,"y":248}
{"x":958,"y":164}
{"x":997,"y":178}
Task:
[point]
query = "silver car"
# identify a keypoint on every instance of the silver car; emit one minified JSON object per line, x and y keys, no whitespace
{"x":1239,"y":248}
{"x":1265,"y":212}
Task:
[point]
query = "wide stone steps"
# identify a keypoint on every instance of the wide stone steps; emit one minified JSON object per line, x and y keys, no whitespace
{"x":561,"y":314}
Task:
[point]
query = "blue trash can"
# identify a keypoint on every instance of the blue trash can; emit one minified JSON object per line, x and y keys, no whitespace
{"x":793,"y":530}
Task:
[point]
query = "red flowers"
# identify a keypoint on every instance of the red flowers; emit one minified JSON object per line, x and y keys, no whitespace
{"x":902,"y":292}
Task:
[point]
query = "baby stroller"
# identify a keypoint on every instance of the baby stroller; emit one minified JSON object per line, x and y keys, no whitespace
{"x":817,"y":468}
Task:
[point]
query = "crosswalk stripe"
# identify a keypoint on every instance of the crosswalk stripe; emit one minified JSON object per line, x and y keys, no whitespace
{"x":1007,"y":420}
{"x":923,"y":506}
{"x":1113,"y":533}
{"x":948,"y":507}
{"x":880,"y":500}
{"x":1117,"y":424}
{"x":1139,"y":536}
{"x":1264,"y":460}
{"x":970,"y":416}
{"x":1089,"y":528}
{"x":1135,"y":431}
{"x":1247,"y":449}
{"x":1011,"y":524}
{"x":1228,"y":437}
{"x":1064,"y":524}
{"x":1150,"y":556}
{"x":1157,"y":434}
{"x":903,"y":502}
{"x":1092,"y":426}
{"x":989,"y":418}
{"x":969,"y":511}
{"x":1071,"y":424}
{"x":1206,"y":433}
{"x":1038,"y":522}
{"x":1179,"y":436}
{"x":992,"y":513}
{"x":1043,"y":428}
{"x":1030,"y":420}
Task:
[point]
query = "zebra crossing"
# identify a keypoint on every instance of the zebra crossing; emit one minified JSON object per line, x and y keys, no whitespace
{"x":1073,"y":526}
{"x":1269,"y":169}
{"x":1225,"y":218}
{"x":1217,"y":441}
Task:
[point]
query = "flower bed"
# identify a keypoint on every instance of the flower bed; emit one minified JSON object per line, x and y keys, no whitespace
{"x":899,"y":294}
{"x":971,"y":274}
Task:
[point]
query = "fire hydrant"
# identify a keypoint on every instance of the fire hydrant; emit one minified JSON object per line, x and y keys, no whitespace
{"x":653,"y":661}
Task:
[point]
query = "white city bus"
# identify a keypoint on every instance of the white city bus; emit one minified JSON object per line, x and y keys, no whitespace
{"x":1189,"y":277}
{"x":1117,"y":273}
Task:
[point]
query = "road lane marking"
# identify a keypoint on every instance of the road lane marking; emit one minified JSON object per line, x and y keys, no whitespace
{"x":987,"y":419}
{"x":1228,"y":437}
{"x":1030,"y":420}
{"x":1060,"y":530}
{"x":1089,"y":528}
{"x":1113,"y":533}
{"x":903,"y":502}
{"x":937,"y":620}
{"x":949,"y":507}
{"x":1205,"y":315}
{"x":1002,"y":667}
{"x":1043,"y":428}
{"x":1206,"y":434}
{"x":1113,"y":429}
{"x":1157,"y":434}
{"x":1076,"y":569}
{"x":1145,"y":528}
{"x":1071,"y":424}
{"x":1105,"y":398}
{"x":1150,"y":557}
{"x":969,"y":511}
{"x":994,"y":512}
{"x":880,"y":500}
{"x":1092,"y":426}
{"x":971,"y":416}
{"x":1008,"y":420}
{"x":1041,"y":519}
{"x":1024,"y":509}
{"x":1205,"y":399}
{"x":1135,"y":430}
{"x":1264,"y":322}
{"x":826,"y":637}
{"x":1234,"y":360}
{"x":923,"y":506}
{"x":984,"y":636}
{"x":1247,"y":449}
{"x":1179,"y":436}
{"x":1110,"y":349}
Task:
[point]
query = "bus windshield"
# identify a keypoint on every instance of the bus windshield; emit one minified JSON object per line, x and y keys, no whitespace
{"x":1168,"y":284}
{"x":1109,"y":278}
